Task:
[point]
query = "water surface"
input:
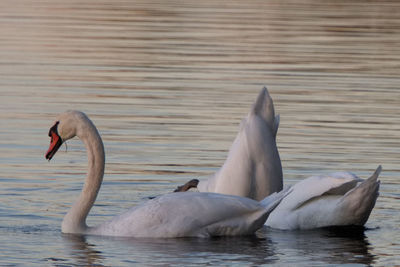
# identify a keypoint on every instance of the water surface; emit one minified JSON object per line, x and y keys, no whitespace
{"x":167,"y":84}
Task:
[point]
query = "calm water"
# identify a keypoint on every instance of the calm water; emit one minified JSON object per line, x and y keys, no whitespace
{"x":167,"y":83}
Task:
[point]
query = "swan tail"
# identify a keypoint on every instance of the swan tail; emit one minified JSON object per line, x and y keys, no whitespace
{"x":264,"y":107}
{"x":273,"y":200}
{"x":361,"y":200}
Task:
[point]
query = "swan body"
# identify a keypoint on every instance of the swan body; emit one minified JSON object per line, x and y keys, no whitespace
{"x":338,"y":199}
{"x":171,"y":215}
{"x":253,"y":167}
{"x":188,"y":214}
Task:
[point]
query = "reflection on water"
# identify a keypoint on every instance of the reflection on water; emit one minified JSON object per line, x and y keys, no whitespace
{"x":184,"y":251}
{"x":80,"y":251}
{"x":167,"y":84}
{"x":325,"y":246}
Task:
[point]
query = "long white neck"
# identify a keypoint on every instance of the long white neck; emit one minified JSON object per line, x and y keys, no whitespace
{"x":75,"y":220}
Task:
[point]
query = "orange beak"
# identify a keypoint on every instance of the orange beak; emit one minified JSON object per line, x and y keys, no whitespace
{"x":55,"y":142}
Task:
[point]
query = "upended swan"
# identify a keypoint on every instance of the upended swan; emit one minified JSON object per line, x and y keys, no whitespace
{"x":253,"y":169}
{"x":184,"y":214}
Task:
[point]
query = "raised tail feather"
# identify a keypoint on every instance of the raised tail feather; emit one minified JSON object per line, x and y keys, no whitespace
{"x":361,"y":200}
{"x":264,"y":107}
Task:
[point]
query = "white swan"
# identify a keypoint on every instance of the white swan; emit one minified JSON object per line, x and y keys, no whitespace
{"x":253,"y":169}
{"x":171,"y":215}
{"x":338,"y":199}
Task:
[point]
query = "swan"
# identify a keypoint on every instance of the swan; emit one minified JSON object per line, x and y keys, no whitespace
{"x":183,"y":214}
{"x":336,"y":199}
{"x":253,"y":169}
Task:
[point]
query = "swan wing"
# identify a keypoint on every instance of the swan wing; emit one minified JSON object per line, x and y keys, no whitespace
{"x":330,"y":200}
{"x":188,"y":214}
{"x":315,"y":186}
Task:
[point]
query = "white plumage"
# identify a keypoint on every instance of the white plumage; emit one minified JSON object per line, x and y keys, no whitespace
{"x":253,"y":169}
{"x":253,"y":166}
{"x":338,"y":199}
{"x":171,"y":215}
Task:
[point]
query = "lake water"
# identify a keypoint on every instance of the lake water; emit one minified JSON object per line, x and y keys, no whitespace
{"x":167,"y":84}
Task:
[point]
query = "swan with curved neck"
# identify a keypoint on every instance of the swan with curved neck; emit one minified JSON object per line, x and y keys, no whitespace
{"x":172,"y":215}
{"x":253,"y":169}
{"x":67,"y":126}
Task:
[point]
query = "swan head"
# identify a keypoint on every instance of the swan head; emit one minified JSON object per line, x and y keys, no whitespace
{"x":67,"y":126}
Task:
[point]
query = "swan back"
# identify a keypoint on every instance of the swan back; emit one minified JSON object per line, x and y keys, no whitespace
{"x":253,"y":166}
{"x":338,"y":183}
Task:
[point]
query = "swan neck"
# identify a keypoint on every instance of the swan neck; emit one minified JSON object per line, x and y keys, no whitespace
{"x":75,"y":220}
